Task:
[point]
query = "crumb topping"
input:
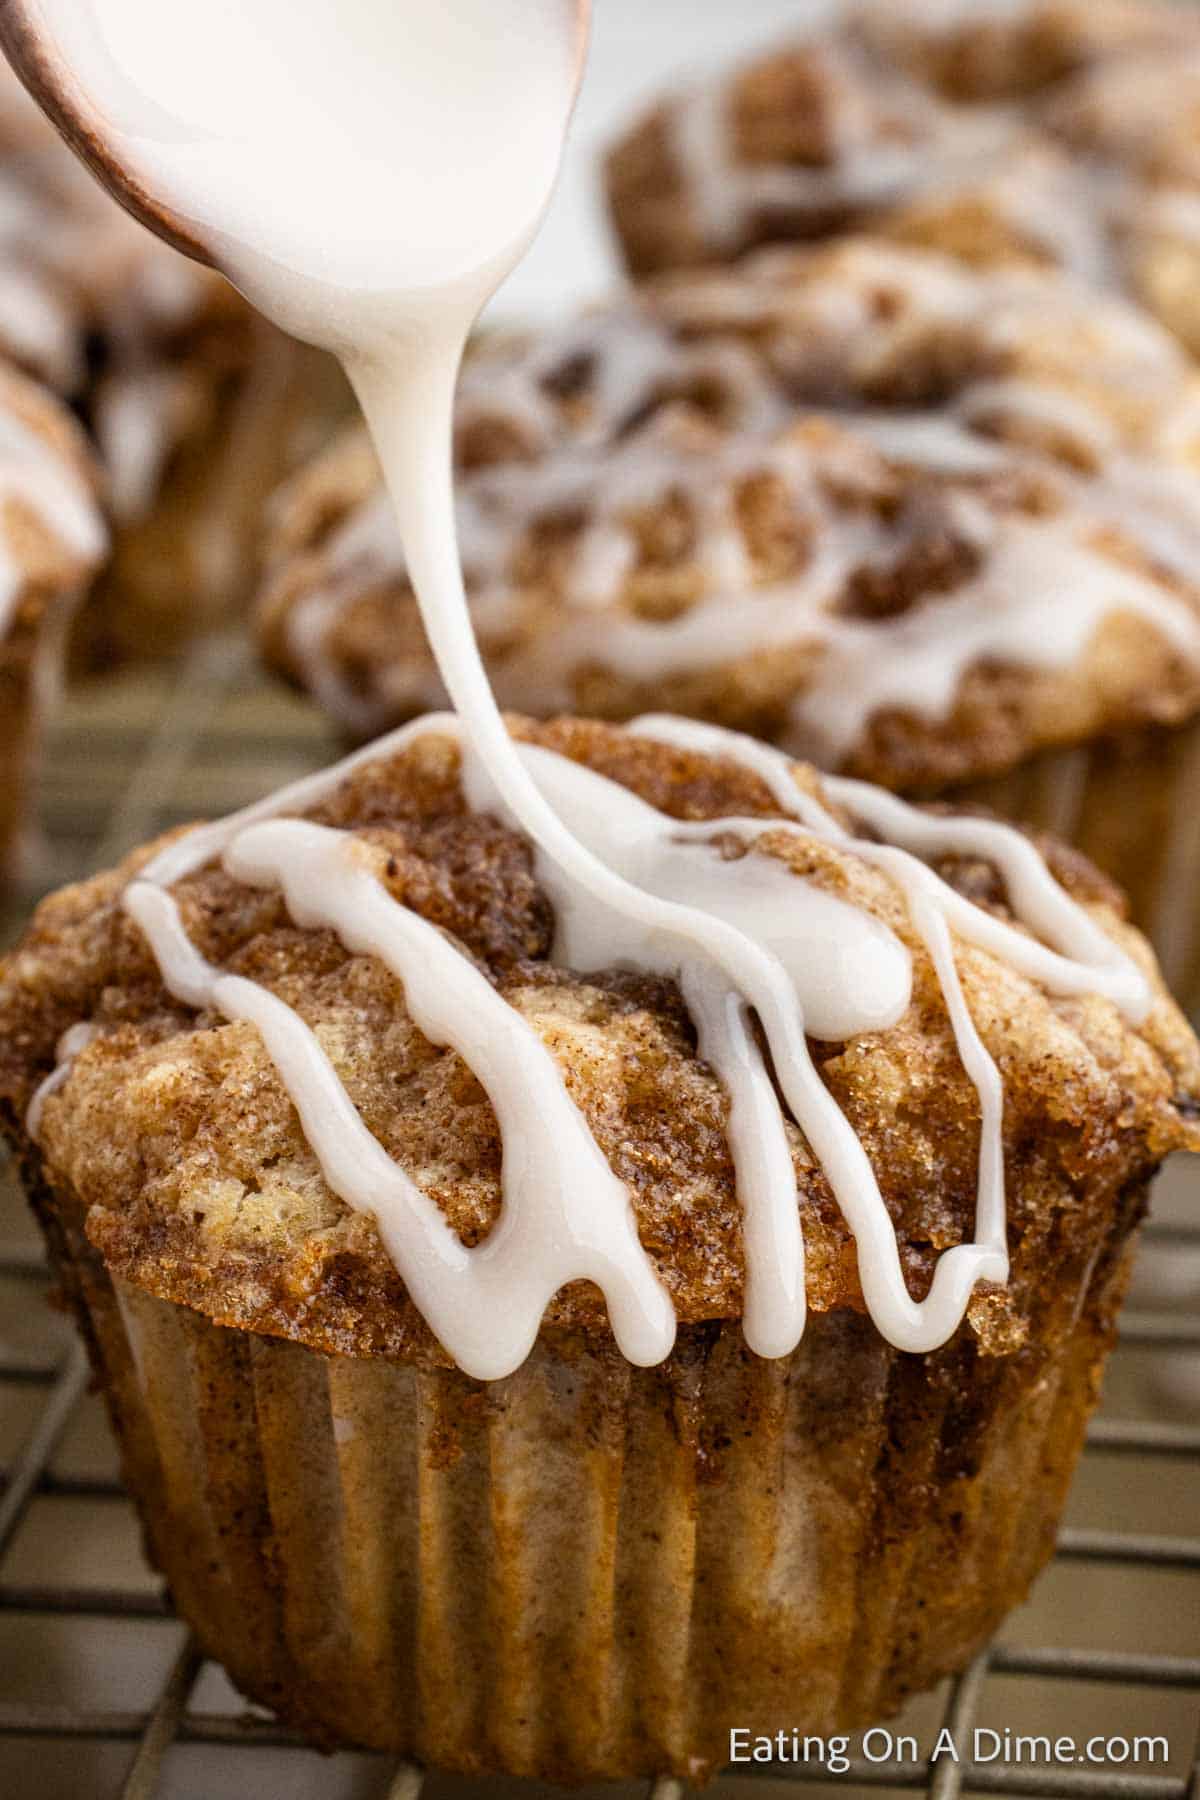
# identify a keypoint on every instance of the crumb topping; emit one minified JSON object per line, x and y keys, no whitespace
{"x":825,"y":498}
{"x":174,"y":1133}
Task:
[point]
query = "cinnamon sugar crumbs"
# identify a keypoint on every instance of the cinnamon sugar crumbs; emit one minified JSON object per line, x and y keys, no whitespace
{"x":176,"y":1135}
{"x":729,"y":453}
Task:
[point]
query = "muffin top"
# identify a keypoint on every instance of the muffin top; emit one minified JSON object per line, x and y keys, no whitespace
{"x":909,"y":519}
{"x":1047,"y":132}
{"x":52,"y":533}
{"x":377,"y":966}
{"x":91,"y":303}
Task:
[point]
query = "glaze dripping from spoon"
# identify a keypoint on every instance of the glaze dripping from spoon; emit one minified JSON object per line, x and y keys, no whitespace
{"x":368,"y":173}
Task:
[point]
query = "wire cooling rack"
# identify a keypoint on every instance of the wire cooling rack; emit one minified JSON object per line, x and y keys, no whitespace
{"x":1111,"y":1639}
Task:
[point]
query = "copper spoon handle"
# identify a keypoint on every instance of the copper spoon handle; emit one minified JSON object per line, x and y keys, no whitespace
{"x":35,"y":68}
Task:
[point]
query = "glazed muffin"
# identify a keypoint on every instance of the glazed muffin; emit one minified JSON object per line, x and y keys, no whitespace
{"x":196,"y":406}
{"x":617,"y":1498}
{"x":1047,"y":133}
{"x":52,"y":539}
{"x":932,"y":526}
{"x":562,"y":443}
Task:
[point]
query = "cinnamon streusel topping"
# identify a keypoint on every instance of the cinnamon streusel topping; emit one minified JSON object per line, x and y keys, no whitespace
{"x":912,"y":520}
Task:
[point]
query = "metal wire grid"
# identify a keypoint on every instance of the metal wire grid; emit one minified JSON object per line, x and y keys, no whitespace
{"x":150,"y":801}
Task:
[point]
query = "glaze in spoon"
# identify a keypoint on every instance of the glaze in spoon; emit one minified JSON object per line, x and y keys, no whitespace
{"x":148,"y":96}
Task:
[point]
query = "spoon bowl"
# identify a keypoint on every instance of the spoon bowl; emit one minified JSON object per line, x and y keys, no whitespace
{"x":24,"y":26}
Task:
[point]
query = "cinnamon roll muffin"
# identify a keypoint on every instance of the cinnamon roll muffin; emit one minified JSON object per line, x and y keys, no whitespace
{"x":445,"y":1264}
{"x":196,"y":406}
{"x":52,"y":539}
{"x":934,"y":526}
{"x":1050,"y":132}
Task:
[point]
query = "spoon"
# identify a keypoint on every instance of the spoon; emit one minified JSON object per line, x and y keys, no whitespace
{"x":22,"y":25}
{"x":27,"y":37}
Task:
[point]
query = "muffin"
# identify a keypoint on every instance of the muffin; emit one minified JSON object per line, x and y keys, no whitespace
{"x":539,"y":422}
{"x":196,"y":406}
{"x":583,"y":1527}
{"x":1049,"y":132}
{"x":933,"y":526}
{"x":52,"y":539}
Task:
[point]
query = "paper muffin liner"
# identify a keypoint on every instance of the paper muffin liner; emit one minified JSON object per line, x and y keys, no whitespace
{"x":1130,"y":803}
{"x":590,"y":1570}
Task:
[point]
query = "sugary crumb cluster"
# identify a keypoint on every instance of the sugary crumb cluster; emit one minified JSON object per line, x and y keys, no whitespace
{"x":174,"y":1133}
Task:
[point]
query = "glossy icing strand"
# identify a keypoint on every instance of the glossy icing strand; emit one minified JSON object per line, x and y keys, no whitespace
{"x":37,"y":478}
{"x":293,"y":213}
{"x":745,"y":938}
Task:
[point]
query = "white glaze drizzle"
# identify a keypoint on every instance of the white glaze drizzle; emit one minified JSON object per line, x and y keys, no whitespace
{"x":1043,"y":590}
{"x":1037,"y":604}
{"x":630,"y":888}
{"x":896,"y":143}
{"x":134,"y":418}
{"x":486,"y":1304}
{"x":40,"y":479}
{"x":1081,"y":957}
{"x":744,"y":938}
{"x":887,"y":137}
{"x":627,"y":361}
{"x":70,"y":1045}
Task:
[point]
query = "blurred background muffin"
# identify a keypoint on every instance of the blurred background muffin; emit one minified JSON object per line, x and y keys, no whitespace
{"x":52,"y":540}
{"x":1050,"y":132}
{"x":934,"y":526}
{"x":196,"y":407}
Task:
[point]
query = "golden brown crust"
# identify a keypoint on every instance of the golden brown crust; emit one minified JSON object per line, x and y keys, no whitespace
{"x":759,"y":422}
{"x":176,"y":1137}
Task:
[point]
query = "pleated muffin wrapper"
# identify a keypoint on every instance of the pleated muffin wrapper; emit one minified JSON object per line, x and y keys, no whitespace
{"x":591,"y":1570}
{"x":1129,"y":803}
